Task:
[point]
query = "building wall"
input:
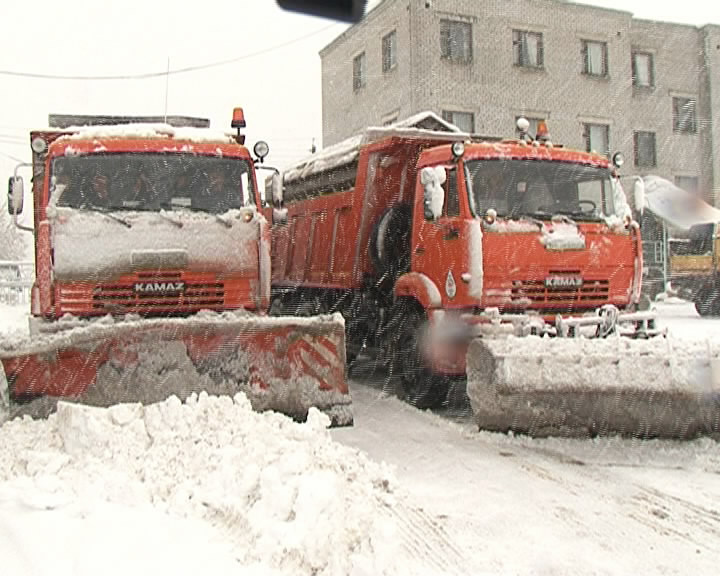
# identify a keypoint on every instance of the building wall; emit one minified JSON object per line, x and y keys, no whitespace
{"x":346,"y":111}
{"x":686,"y":63}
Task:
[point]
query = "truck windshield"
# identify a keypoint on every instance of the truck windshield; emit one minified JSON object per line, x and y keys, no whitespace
{"x":152,"y":182}
{"x":540,"y":189}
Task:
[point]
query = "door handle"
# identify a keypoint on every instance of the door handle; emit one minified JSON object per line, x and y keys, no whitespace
{"x":420,"y":250}
{"x":451,"y":233}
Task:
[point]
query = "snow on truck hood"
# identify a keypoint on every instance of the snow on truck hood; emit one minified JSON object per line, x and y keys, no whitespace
{"x":90,"y":244}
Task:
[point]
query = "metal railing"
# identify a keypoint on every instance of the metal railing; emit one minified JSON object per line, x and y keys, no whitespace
{"x":16,"y":280}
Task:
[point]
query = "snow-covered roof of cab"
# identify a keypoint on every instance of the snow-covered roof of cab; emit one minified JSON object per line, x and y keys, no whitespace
{"x":93,"y":127}
{"x":148,"y":131}
{"x":677,"y":207}
{"x":422,"y":125}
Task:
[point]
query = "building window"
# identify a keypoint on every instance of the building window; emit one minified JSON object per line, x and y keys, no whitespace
{"x":389,"y":51}
{"x":687,"y":183}
{"x":528,"y":49}
{"x":359,"y":71}
{"x":643,"y":70}
{"x":644,"y":144}
{"x":456,"y":40}
{"x":534,"y":122}
{"x":597,"y":138}
{"x":684,"y":121}
{"x":463,"y":120}
{"x":594,"y":58}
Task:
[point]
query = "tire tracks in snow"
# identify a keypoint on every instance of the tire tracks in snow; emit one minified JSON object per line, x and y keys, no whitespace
{"x":426,"y":542}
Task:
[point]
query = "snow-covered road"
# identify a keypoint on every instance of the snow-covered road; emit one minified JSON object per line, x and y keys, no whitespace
{"x":451,"y":500}
{"x":499,"y":504}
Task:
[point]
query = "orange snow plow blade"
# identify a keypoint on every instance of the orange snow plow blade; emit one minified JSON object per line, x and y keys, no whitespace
{"x":283,"y":364}
{"x":658,"y":387}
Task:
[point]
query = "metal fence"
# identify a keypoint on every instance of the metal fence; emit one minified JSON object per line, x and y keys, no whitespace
{"x":16,"y":280}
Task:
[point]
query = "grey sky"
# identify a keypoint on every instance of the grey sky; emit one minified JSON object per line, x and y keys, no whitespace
{"x":279,"y":87}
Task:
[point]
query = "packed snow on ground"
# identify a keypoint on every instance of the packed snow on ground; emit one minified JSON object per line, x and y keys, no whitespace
{"x":207,"y":487}
{"x":210,"y":487}
{"x":13,"y":320}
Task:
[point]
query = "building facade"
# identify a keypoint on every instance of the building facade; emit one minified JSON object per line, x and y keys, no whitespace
{"x":602,"y":80}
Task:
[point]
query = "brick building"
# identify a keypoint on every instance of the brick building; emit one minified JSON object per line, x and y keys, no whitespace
{"x":603,"y":80}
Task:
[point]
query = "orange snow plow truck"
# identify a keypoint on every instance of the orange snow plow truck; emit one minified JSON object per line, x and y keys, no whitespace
{"x":152,"y":263}
{"x":510,"y":265}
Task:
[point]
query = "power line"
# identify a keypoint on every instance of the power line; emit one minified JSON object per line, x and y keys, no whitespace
{"x":13,"y":158}
{"x":164,"y":72}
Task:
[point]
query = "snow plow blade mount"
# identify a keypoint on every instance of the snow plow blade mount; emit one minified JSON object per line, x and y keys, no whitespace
{"x":283,"y":364}
{"x":654,"y":388}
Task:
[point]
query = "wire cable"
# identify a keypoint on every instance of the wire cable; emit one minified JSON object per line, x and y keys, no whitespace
{"x":175,"y":71}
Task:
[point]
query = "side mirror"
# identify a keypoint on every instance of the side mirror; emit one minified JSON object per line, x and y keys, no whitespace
{"x":279,"y":211}
{"x":16,"y":195}
{"x":639,"y":197}
{"x":277,"y":190}
{"x":432,"y":178}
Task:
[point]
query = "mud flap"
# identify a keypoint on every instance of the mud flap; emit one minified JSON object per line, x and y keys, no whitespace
{"x":588,"y":387}
{"x":283,"y":364}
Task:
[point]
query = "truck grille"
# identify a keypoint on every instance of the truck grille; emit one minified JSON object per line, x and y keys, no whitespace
{"x":543,"y":296}
{"x":192,"y":297}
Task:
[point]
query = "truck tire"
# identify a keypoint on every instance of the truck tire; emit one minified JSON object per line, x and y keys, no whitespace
{"x":707,"y":301}
{"x":420,"y":387}
{"x":390,"y":241}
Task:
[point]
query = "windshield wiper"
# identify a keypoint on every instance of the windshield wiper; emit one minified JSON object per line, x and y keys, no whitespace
{"x":533,"y":217}
{"x":105,"y":212}
{"x":171,"y":220}
{"x":223,"y":221}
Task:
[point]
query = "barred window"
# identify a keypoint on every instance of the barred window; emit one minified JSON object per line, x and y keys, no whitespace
{"x":389,"y":51}
{"x":645,"y":154}
{"x":359,"y":71}
{"x":684,"y":120}
{"x":456,"y":40}
{"x":528,"y":49}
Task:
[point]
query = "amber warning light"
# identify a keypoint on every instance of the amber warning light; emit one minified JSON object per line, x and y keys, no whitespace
{"x":238,"y":122}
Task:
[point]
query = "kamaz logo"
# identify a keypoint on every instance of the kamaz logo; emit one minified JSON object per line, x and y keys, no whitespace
{"x":159,"y":287}
{"x":563,"y":282}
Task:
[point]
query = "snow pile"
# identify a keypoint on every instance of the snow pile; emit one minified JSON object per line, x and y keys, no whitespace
{"x":283,"y":496}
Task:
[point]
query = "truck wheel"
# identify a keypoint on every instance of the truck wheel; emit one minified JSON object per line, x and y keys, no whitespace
{"x":4,"y":397}
{"x":420,"y":386}
{"x":707,"y":301}
{"x":390,"y":241}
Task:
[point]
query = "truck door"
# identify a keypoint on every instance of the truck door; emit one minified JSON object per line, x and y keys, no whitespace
{"x":438,"y":248}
